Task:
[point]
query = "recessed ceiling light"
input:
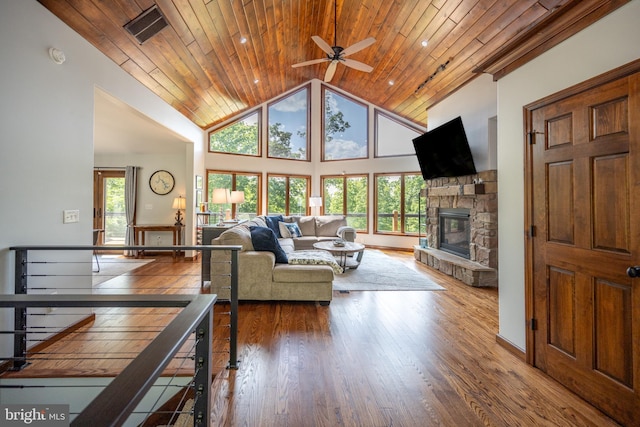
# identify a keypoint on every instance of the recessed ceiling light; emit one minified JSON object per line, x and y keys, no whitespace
{"x":391,"y":82}
{"x":424,"y":43}
{"x":243,"y":40}
{"x":256,"y":81}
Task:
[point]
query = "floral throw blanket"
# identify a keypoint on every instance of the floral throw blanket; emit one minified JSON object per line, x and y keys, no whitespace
{"x":314,"y":257}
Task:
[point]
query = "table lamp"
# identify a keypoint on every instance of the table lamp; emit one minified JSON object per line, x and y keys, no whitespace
{"x":237,"y":197}
{"x":179,"y":203}
{"x":220,"y":196}
{"x":315,"y":202}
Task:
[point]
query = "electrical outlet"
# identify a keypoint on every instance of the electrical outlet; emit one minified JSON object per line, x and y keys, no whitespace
{"x":70,"y":216}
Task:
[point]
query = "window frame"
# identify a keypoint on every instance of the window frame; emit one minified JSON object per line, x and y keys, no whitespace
{"x":288,"y":193}
{"x":258,"y":112}
{"x":307,"y":89}
{"x":234,"y":175}
{"x":377,"y":113}
{"x":344,"y":178}
{"x":323,"y":135}
{"x":402,"y":215}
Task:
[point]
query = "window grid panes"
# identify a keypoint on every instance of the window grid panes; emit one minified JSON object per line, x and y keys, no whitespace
{"x":247,"y":182}
{"x":397,"y":203}
{"x":347,"y":195}
{"x":240,"y":137}
{"x":287,"y":195}
{"x":288,"y":127}
{"x":345,"y":128}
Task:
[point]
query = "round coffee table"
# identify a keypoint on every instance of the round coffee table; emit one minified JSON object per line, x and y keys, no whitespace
{"x":343,"y":252}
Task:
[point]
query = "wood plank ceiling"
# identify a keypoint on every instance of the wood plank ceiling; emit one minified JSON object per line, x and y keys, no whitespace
{"x":200,"y":65}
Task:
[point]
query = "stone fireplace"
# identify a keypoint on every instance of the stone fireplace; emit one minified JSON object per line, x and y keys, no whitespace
{"x":462,"y":228}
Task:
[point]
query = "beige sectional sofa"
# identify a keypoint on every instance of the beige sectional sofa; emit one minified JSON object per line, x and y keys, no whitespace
{"x":261,"y":278}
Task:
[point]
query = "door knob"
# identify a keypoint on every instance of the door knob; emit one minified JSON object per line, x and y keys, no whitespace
{"x":633,"y":271}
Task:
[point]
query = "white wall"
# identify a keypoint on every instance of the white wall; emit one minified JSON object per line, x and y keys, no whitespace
{"x":476,"y":103}
{"x":46,"y":131}
{"x":607,"y":44}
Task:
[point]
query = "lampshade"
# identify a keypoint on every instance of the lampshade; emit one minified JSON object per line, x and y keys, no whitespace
{"x":220,"y":196}
{"x":179,"y":203}
{"x":237,"y":197}
{"x":315,"y":202}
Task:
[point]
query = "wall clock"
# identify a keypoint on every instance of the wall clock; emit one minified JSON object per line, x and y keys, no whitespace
{"x":161,"y":182}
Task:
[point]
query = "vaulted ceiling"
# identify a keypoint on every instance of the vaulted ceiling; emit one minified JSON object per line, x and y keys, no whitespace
{"x":217,"y":58}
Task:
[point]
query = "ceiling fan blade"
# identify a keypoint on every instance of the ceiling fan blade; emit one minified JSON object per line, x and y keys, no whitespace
{"x":331,"y":70}
{"x":358,"y":65}
{"x":323,"y":45}
{"x":358,"y":46}
{"x":311,"y":62}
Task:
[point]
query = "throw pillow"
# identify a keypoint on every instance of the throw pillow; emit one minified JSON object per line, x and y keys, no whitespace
{"x":272,"y":222}
{"x":289,"y":229}
{"x":264,"y":239}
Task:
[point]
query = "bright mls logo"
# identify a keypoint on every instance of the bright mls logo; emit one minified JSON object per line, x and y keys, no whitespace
{"x":34,"y":415}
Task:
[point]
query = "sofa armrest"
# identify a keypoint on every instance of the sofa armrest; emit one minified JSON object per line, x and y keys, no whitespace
{"x":347,"y":233}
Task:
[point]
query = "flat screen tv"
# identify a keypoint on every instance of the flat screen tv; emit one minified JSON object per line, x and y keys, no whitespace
{"x":444,"y":151}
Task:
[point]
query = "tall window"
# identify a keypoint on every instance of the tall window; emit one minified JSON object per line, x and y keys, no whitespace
{"x":288,"y":127}
{"x":287,"y":194}
{"x":397,"y":202}
{"x":346,"y":195}
{"x":345,"y":124}
{"x":247,"y":182}
{"x":239,"y":137}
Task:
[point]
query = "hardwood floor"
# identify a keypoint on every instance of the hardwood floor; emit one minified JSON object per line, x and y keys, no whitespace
{"x":373,"y":359}
{"x":388,"y":359}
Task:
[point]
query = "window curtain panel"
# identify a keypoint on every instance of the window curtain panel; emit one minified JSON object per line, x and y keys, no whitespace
{"x":130,"y":186}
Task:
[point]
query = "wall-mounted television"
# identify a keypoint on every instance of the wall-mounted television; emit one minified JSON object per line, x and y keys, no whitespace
{"x":444,"y":151}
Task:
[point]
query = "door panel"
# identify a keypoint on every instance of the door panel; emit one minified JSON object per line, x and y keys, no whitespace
{"x":584,"y":182}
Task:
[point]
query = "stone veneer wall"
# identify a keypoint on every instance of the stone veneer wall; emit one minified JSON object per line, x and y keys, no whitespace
{"x":479,"y":194}
{"x":481,"y":200}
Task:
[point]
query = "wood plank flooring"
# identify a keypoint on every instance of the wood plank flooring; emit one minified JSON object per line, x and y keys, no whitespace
{"x":372,"y":359}
{"x":388,"y":359}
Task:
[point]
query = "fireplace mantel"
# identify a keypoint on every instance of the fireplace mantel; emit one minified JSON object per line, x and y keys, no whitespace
{"x":456,"y":190}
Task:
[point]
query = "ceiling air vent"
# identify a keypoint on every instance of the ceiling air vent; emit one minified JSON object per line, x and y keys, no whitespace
{"x":147,"y":24}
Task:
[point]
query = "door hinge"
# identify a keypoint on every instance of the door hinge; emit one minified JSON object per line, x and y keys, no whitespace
{"x":531,"y":135}
{"x":533,"y":324}
{"x":532,"y":231}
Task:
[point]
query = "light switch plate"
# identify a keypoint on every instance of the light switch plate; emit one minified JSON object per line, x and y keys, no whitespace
{"x":70,"y":216}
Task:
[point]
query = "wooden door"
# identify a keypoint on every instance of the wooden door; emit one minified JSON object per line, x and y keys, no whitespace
{"x":584,"y":206}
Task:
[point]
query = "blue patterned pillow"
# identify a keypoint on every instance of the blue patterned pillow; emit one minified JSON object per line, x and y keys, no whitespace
{"x":264,"y":239}
{"x":272,"y":223}
{"x":289,"y":229}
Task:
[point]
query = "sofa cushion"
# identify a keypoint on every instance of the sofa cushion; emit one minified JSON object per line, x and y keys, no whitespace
{"x":289,"y":229}
{"x":264,"y":239}
{"x":307,"y":224}
{"x":272,"y":222}
{"x":287,"y":245}
{"x":328,"y":225}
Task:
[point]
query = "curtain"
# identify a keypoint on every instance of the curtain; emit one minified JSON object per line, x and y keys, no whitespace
{"x":130,"y":186}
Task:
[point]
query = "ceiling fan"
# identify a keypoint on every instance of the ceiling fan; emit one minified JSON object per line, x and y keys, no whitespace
{"x":336,"y":54}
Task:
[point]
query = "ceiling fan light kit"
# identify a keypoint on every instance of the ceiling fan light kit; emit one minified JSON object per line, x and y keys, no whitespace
{"x":337,"y":54}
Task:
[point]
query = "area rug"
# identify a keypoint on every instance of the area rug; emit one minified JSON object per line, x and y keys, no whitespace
{"x":379,"y":272}
{"x":113,"y":266}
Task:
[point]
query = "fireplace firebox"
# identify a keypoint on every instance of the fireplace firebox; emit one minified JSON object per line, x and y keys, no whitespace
{"x":455,"y":231}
